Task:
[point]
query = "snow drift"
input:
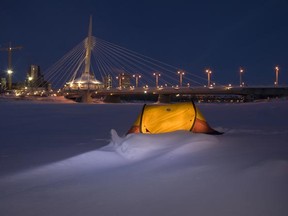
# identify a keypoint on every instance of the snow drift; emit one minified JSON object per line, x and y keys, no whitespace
{"x":74,"y":167}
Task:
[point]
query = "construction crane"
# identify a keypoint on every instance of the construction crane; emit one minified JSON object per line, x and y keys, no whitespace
{"x":9,"y":70}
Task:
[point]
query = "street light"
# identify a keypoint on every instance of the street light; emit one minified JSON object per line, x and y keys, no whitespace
{"x":120,"y":79}
{"x":181,"y":73}
{"x":277,"y":76}
{"x":209,"y":72}
{"x":9,"y":72}
{"x":137,"y":77}
{"x":157,"y":75}
{"x":30,"y":78}
{"x":241,"y":72}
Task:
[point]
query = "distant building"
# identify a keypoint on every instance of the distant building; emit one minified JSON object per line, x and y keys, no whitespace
{"x":124,"y":80}
{"x":3,"y":84}
{"x":3,"y":81}
{"x":34,"y":78}
{"x":108,"y":81}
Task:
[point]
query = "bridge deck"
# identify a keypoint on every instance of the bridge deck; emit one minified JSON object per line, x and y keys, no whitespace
{"x":269,"y":91}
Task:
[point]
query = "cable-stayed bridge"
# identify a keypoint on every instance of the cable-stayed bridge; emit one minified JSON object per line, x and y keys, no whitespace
{"x":96,"y":67}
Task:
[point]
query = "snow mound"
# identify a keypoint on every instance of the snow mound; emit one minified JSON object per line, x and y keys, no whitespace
{"x":144,"y":146}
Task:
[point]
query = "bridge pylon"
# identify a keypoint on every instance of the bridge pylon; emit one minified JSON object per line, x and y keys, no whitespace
{"x":86,"y":82}
{"x":86,"y":96}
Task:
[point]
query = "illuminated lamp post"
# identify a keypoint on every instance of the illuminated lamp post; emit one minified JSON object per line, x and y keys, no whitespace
{"x":30,"y":78}
{"x":120,"y":78}
{"x":119,"y":81}
{"x":9,"y":72}
{"x":209,"y":72}
{"x":157,"y":75}
{"x":277,"y":76}
{"x":240,"y":73}
{"x":181,"y":73}
{"x":137,"y":77}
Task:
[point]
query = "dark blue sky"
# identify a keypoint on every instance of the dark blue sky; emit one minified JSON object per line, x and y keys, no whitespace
{"x":193,"y":35}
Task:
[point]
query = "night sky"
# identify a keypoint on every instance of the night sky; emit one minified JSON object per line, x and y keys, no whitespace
{"x":193,"y":35}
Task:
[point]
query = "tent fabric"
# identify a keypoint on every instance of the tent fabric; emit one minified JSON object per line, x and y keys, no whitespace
{"x":166,"y":118}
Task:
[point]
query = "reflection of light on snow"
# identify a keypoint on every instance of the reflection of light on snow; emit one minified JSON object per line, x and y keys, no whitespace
{"x":141,"y":146}
{"x":120,"y":152}
{"x":88,"y":162}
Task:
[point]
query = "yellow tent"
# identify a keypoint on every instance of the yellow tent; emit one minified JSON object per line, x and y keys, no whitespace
{"x":166,"y":118}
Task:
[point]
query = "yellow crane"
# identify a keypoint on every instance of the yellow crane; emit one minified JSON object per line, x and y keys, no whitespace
{"x":9,"y":70}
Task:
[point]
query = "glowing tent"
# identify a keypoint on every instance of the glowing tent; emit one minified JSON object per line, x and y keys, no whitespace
{"x":166,"y":118}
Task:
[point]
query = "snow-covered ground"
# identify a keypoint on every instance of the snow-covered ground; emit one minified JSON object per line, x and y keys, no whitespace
{"x":60,"y":158}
